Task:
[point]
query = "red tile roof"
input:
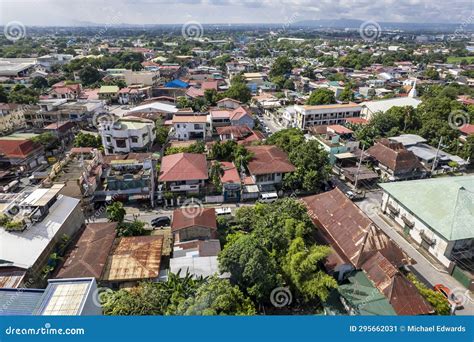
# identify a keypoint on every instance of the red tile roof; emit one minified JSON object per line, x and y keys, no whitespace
{"x":467,"y":129}
{"x":231,"y":175}
{"x":192,"y":217}
{"x":18,"y":148}
{"x":269,"y":159}
{"x":358,"y":121}
{"x":183,"y":166}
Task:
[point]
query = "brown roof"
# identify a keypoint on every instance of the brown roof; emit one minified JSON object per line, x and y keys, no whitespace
{"x":340,"y":220}
{"x":89,"y":255}
{"x":394,"y":156}
{"x":135,"y":258}
{"x":356,"y":239}
{"x":237,"y":131}
{"x":183,"y":166}
{"x":191,"y":217}
{"x":401,"y":293}
{"x":269,"y":159}
{"x":18,"y":148}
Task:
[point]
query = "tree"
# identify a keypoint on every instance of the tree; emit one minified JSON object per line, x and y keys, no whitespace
{"x":217,"y":297}
{"x":437,"y":300}
{"x":89,"y":75}
{"x":135,"y":228}
{"x":287,"y":139}
{"x":251,"y":266}
{"x":161,"y":133}
{"x":241,"y":156}
{"x":346,"y":95}
{"x":302,"y":266}
{"x":312,"y":167}
{"x":39,"y":82}
{"x":432,"y":74}
{"x":161,"y":298}
{"x":87,"y":140}
{"x":223,"y":151}
{"x":46,"y":139}
{"x":281,"y":67}
{"x":239,"y":91}
{"x":215,"y":175}
{"x":321,"y":96}
{"x":23,"y":95}
{"x":116,"y":212}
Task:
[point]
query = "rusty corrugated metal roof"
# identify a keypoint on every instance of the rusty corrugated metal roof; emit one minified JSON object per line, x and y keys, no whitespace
{"x":89,"y":255}
{"x":135,"y":258}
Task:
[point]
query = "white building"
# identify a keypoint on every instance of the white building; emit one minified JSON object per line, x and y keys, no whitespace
{"x":437,"y":214}
{"x":146,"y":78}
{"x":304,"y":117}
{"x":369,"y":108}
{"x":126,"y":135}
{"x":190,"y":127}
{"x":33,"y":224}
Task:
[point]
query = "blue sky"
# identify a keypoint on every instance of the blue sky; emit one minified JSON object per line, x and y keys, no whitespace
{"x":67,"y":12}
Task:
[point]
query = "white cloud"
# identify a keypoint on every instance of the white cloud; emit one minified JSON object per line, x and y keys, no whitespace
{"x":64,"y":12}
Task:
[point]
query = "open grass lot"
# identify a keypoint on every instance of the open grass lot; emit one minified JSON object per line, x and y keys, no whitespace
{"x":453,"y":59}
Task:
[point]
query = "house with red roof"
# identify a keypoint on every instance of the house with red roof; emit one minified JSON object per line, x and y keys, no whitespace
{"x":61,"y":90}
{"x":239,"y":116}
{"x":22,"y":153}
{"x":268,"y":165}
{"x":231,"y":182}
{"x":194,"y":223}
{"x":184,"y":172}
{"x":241,"y":134}
{"x":466,"y":130}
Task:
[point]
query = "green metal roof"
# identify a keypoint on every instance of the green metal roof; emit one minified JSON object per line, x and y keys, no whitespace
{"x":445,"y":204}
{"x":362,"y":295}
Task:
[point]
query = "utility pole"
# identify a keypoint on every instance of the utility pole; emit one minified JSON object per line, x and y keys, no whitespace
{"x":358,"y":168}
{"x":435,"y":161}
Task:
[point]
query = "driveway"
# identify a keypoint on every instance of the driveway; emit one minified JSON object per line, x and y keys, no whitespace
{"x":371,"y":206}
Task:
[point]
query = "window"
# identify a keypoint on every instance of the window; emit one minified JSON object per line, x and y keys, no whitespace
{"x":121,"y":143}
{"x":108,"y":139}
{"x":134,"y":140}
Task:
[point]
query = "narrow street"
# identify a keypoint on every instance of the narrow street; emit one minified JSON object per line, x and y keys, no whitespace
{"x":371,"y":206}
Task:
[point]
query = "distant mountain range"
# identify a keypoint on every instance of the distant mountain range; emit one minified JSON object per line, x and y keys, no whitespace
{"x":355,"y":24}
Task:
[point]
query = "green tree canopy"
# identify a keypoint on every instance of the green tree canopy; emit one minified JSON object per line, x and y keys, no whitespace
{"x":321,"y":96}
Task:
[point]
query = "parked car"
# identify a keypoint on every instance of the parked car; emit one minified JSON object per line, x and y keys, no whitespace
{"x":223,"y":211}
{"x":268,"y":197}
{"x":162,"y":221}
{"x":449,"y":295}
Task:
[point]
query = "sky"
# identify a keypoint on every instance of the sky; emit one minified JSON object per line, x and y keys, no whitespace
{"x":67,"y":12}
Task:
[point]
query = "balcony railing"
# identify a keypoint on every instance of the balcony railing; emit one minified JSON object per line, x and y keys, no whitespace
{"x":392,"y":209}
{"x":428,"y":239}
{"x":408,"y":222}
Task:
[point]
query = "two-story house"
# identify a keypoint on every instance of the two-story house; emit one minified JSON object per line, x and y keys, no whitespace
{"x":184,"y":172}
{"x":268,"y":165}
{"x":126,"y":135}
{"x":190,"y":127}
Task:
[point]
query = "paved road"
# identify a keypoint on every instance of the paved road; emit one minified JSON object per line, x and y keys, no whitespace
{"x":371,"y":206}
{"x":272,"y":124}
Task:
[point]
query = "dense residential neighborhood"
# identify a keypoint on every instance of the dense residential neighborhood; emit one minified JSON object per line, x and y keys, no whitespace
{"x":147,"y":172}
